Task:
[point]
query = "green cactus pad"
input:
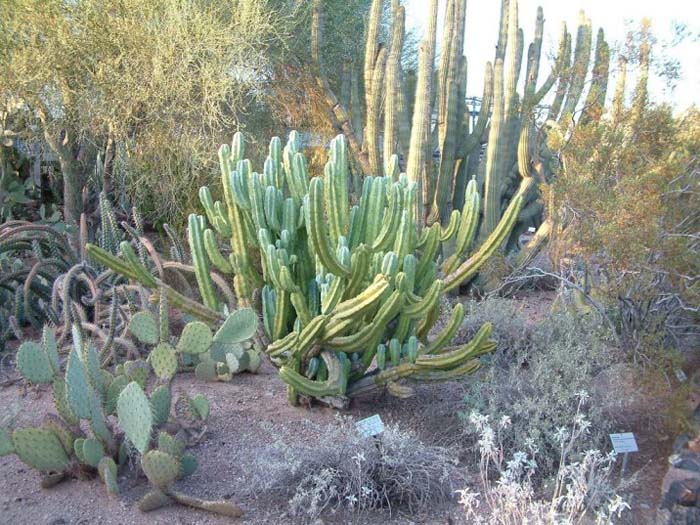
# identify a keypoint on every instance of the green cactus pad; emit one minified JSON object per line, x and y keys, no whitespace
{"x":33,"y":363}
{"x":206,"y":371}
{"x":115,"y":388}
{"x":164,"y":361}
{"x":98,"y":421}
{"x":93,"y":451}
{"x":94,"y":370}
{"x":48,"y":342}
{"x":254,"y":361}
{"x":238,"y":327}
{"x":236,"y":365}
{"x":60,"y":401}
{"x":160,"y":468}
{"x":219,"y":350}
{"x":195,"y":338}
{"x":135,"y":417}
{"x":137,"y":371}
{"x":160,"y":404}
{"x":107,"y":379}
{"x":188,"y":465}
{"x":107,"y":469}
{"x":170,"y":445}
{"x":78,"y":449}
{"x":6,"y":446}
{"x":40,"y":448}
{"x":200,"y":406}
{"x":78,"y":388}
{"x":144,"y":328}
{"x":154,"y":500}
{"x":56,"y":425}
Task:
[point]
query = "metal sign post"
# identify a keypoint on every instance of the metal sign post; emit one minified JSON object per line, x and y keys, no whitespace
{"x":624,"y":443}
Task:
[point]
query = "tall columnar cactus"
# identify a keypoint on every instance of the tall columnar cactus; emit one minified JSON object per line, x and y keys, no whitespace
{"x":440,"y":96}
{"x":102,"y":418}
{"x":350,"y":294}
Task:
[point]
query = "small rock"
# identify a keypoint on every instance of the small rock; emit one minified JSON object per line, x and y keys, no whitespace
{"x":687,"y":460}
{"x":683,"y":493}
{"x":694,"y":445}
{"x":680,"y":443}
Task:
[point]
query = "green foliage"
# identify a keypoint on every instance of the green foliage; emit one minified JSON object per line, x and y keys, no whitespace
{"x":149,"y":83}
{"x":628,"y":217}
{"x":214,"y":357}
{"x":144,"y":328}
{"x":337,"y":283}
{"x":135,"y":417}
{"x":335,"y":278}
{"x":536,"y":376}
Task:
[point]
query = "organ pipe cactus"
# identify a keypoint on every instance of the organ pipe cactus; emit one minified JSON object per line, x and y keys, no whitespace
{"x":335,"y":284}
{"x":456,"y":135}
{"x":102,"y":419}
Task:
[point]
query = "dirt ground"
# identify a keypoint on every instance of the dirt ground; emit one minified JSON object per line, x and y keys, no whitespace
{"x":251,"y":413}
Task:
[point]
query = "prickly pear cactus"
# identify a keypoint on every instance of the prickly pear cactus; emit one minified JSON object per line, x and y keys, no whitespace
{"x":87,"y":393}
{"x":135,"y":416}
{"x":214,"y":357}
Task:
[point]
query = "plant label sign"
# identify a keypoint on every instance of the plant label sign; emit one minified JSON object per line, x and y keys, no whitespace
{"x":624,"y":443}
{"x":370,"y":426}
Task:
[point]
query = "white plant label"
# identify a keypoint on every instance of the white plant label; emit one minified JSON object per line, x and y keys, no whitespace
{"x":370,"y":426}
{"x":624,"y":443}
{"x":682,"y":377}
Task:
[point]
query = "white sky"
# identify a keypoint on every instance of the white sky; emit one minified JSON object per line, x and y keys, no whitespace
{"x":612,"y":15}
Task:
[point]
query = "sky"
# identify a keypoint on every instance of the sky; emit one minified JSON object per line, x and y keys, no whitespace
{"x":613,"y":15}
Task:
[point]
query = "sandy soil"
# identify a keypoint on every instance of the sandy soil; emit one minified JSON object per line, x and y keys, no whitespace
{"x":250,"y":413}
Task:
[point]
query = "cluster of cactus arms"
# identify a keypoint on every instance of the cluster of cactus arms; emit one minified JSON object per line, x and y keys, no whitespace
{"x":214,"y":357}
{"x":505,"y":146}
{"x":103,"y":419}
{"x":348,"y":294}
{"x":45,"y":277}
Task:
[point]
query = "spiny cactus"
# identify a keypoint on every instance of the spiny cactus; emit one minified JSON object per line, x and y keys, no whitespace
{"x":213,"y":356}
{"x":515,"y":146}
{"x":343,"y":284}
{"x":87,"y":393}
{"x":335,"y":283}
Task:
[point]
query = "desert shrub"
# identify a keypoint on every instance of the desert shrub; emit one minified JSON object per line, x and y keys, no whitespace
{"x":535,"y":374}
{"x":343,"y":470}
{"x":581,"y":488}
{"x":628,"y":213}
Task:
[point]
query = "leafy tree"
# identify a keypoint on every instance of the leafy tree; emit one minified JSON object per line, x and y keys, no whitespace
{"x":149,"y":83}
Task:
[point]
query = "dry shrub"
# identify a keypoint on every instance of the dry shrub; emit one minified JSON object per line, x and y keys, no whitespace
{"x":342,"y":470}
{"x":535,"y":375}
